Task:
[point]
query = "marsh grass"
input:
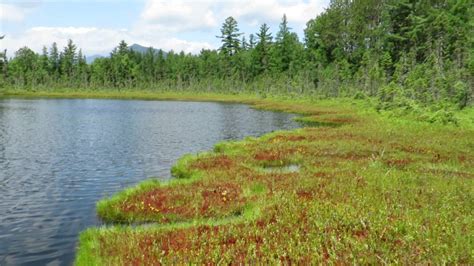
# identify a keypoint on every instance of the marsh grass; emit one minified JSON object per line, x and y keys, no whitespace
{"x":372,"y":190}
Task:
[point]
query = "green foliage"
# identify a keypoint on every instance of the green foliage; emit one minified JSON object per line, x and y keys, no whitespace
{"x":263,"y":49}
{"x":444,"y":116}
{"x":68,"y":59}
{"x":230,"y":37}
{"x":424,"y":49}
{"x":181,"y":169}
{"x":462,"y":94}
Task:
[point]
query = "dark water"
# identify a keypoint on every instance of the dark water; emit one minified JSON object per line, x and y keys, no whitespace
{"x":58,"y":157}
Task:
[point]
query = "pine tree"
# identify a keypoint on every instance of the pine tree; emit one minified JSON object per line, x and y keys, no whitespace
{"x":82,"y":69}
{"x":244,"y":44}
{"x":262,"y":49}
{"x":252,"y":41}
{"x":287,"y":47}
{"x":121,"y":64}
{"x":230,"y":37}
{"x":54,"y":60}
{"x":3,"y":68}
{"x":68,"y":59}
{"x":43,"y":66}
{"x":44,"y":59}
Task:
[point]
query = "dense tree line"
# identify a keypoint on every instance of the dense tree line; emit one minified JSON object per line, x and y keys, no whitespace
{"x":403,"y":52}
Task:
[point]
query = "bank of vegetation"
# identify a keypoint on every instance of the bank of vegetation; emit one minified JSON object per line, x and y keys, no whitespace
{"x":358,"y":188}
{"x":414,"y":57}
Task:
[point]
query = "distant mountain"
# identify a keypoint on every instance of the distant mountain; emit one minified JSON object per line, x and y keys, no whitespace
{"x":142,"y":49}
{"x":134,"y":47}
{"x":90,"y":59}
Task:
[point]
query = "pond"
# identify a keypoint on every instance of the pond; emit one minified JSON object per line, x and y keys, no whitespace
{"x":58,"y":157}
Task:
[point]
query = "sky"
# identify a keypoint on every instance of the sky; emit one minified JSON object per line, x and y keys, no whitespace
{"x":97,"y":26}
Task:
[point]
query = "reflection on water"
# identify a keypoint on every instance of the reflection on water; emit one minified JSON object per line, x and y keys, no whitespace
{"x":58,"y":157}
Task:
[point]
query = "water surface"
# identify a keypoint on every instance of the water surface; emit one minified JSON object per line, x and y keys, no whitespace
{"x":59,"y":156}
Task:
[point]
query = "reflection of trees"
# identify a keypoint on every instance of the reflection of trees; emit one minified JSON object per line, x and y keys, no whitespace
{"x":231,"y":127}
{"x":2,"y":136}
{"x":238,"y":121}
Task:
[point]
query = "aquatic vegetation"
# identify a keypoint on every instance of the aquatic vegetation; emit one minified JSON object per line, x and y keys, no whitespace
{"x":175,"y":203}
{"x":371,"y":190}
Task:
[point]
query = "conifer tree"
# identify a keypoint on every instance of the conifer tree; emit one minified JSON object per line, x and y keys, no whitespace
{"x":230,"y":37}
{"x":262,"y":49}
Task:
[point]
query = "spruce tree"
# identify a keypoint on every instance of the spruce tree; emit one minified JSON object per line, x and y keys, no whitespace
{"x":230,"y":37}
{"x":68,"y":59}
{"x":262,"y":49}
{"x":54,"y":60}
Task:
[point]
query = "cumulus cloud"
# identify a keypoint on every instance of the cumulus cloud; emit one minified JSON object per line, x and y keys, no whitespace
{"x":179,"y":15}
{"x":94,"y":40}
{"x":178,"y":45}
{"x":187,"y":15}
{"x":12,"y":13}
{"x":90,"y":38}
{"x":16,"y":11}
{"x":270,"y":11}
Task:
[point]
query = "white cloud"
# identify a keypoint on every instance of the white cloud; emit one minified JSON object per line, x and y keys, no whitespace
{"x":179,"y":15}
{"x":17,"y":11}
{"x":94,"y":40}
{"x":271,"y":11}
{"x":187,"y":15}
{"x":12,"y":13}
{"x":178,"y":45}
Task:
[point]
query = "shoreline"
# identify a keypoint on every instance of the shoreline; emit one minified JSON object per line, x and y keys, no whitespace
{"x":135,"y":95}
{"x":300,"y":106}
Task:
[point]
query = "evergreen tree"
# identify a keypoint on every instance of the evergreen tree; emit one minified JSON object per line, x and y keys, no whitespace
{"x":244,"y":44}
{"x":68,"y":59}
{"x":54,"y":60}
{"x":287,"y":47}
{"x":121,"y":64}
{"x":82,"y":68}
{"x":3,"y":68}
{"x":252,"y":41}
{"x":43,"y":66}
{"x":230,"y":37}
{"x":262,"y":49}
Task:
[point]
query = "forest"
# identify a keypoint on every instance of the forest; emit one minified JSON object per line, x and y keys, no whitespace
{"x":405,"y":54}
